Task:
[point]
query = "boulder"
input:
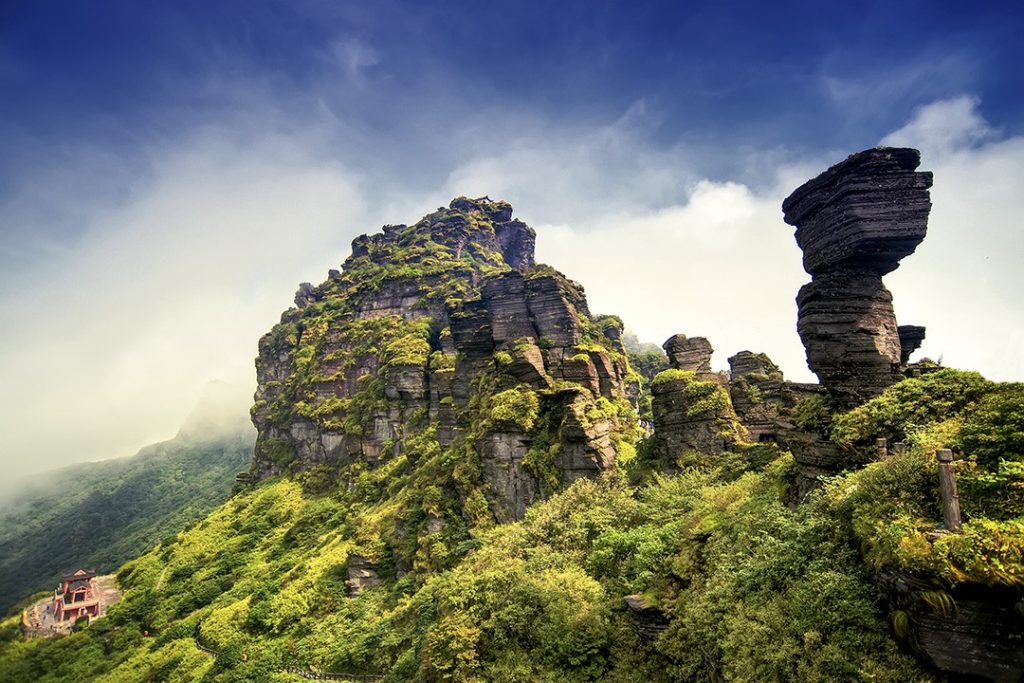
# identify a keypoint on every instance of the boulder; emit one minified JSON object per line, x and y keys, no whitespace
{"x":693,"y":353}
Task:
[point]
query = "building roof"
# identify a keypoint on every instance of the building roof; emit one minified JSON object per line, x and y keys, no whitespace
{"x":81,"y":574}
{"x":77,"y":585}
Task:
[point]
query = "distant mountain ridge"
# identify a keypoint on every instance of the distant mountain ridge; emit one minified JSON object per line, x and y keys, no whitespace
{"x":100,"y":514}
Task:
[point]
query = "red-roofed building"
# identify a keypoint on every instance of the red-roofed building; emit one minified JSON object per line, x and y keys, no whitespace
{"x":76,"y":597}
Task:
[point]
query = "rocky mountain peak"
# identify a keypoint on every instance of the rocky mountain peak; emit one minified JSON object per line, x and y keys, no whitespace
{"x":445,"y":332}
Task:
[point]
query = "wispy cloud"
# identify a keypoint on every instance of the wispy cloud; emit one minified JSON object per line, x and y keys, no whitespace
{"x":944,"y":126}
{"x":108,"y":344}
{"x":173,"y":271}
{"x":354,"y":56}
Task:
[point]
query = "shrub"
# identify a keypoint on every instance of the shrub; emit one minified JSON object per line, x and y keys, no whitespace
{"x":909,"y":404}
{"x":517,"y":407}
{"x":993,"y":428}
{"x":672,"y":375}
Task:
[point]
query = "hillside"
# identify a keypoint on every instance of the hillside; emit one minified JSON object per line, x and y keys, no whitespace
{"x":451,"y":482}
{"x":101,"y":514}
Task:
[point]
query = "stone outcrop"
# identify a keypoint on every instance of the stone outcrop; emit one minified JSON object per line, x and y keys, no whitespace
{"x":759,"y":394}
{"x":854,"y":223}
{"x":688,"y":353}
{"x":362,"y":574}
{"x":911,"y":338}
{"x":692,"y":412}
{"x":532,"y":324}
{"x":971,"y":630}
{"x":649,"y":621}
{"x":426,"y":326}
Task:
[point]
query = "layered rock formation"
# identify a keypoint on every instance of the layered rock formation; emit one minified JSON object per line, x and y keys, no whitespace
{"x":854,"y":223}
{"x":690,"y":404}
{"x":445,"y":328}
{"x":688,"y":353}
{"x":758,"y":393}
{"x":968,"y":630}
{"x":911,"y":337}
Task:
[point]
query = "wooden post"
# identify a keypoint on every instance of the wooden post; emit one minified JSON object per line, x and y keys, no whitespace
{"x":947,"y":486}
{"x":883,"y":448}
{"x":899,"y":448}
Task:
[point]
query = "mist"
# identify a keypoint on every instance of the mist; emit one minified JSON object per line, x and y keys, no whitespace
{"x":111,"y":334}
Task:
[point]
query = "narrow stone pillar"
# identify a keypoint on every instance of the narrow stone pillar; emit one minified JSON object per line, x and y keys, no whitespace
{"x":854,"y":223}
{"x":947,"y":487}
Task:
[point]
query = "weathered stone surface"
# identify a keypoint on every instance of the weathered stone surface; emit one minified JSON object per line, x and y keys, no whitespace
{"x":982,"y":637}
{"x":693,"y":353}
{"x":758,"y":394}
{"x":691,"y":415}
{"x":348,"y":376}
{"x":511,"y":487}
{"x":304,"y":296}
{"x":362,"y":574}
{"x":585,"y":445}
{"x":649,"y":621}
{"x":854,"y":223}
{"x":555,"y":306}
{"x":747,"y":363}
{"x":848,"y":328}
{"x":864,"y":214}
{"x":911,"y":338}
{"x":517,"y":243}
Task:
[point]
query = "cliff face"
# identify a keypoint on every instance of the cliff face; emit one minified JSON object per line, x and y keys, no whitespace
{"x":446,"y":327}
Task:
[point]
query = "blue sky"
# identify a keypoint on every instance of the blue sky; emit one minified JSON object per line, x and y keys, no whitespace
{"x":716,"y":75}
{"x":170,"y":171}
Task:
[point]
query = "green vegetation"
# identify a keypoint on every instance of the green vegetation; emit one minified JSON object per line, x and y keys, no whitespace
{"x":646,"y":361}
{"x":705,"y":398}
{"x":98,"y":515}
{"x":517,"y":407}
{"x":750,"y":585}
{"x":909,"y":405}
{"x":751,"y":588}
{"x":744,"y":584}
{"x":893,"y":505}
{"x":672,"y":375}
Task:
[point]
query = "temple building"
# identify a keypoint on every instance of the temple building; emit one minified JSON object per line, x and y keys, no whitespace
{"x":76,"y":596}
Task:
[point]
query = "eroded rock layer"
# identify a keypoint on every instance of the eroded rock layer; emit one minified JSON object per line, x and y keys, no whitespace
{"x":854,"y":223}
{"x":688,"y":353}
{"x":690,"y":405}
{"x":911,"y":337}
{"x":446,"y":335}
{"x":758,"y":393}
{"x":848,"y":327}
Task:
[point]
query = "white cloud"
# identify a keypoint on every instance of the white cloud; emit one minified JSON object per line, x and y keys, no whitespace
{"x":718,"y":261}
{"x":110,"y":342}
{"x":354,"y":56}
{"x":964,"y":283}
{"x":942,"y":127}
{"x":719,"y":264}
{"x":107,"y":343}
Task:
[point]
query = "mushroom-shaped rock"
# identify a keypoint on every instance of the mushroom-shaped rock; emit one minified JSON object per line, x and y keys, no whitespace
{"x":688,"y":353}
{"x":911,"y":337}
{"x":854,"y":223}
